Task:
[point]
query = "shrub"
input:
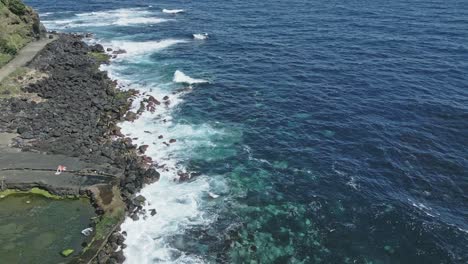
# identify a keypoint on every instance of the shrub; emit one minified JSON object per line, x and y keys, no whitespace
{"x":17,"y":7}
{"x":7,"y":46}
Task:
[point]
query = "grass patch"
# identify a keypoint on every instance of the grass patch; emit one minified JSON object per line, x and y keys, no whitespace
{"x":19,"y":25}
{"x":5,"y":58}
{"x":36,"y":191}
{"x":99,"y":56}
{"x":67,"y":252}
{"x":12,"y":85}
{"x":114,"y":213}
{"x":108,"y":222}
{"x":105,"y":224}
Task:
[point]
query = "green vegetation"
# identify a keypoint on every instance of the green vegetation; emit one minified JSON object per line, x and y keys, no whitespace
{"x":12,"y":85}
{"x":114,"y":214}
{"x":99,"y":56}
{"x":19,"y":25}
{"x":5,"y":58}
{"x":16,"y":6}
{"x":36,"y":191}
{"x":105,"y":225}
{"x":107,"y":222}
{"x":67,"y":252}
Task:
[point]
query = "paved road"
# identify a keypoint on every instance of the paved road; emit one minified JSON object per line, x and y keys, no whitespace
{"x":24,"y":56}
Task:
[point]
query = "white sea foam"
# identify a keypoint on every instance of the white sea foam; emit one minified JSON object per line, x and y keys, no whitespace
{"x":119,"y":17}
{"x":45,"y":14}
{"x":200,"y":36}
{"x":173,"y":11}
{"x":134,"y":48}
{"x":423,"y":208}
{"x":179,"y":206}
{"x":180,"y":77}
{"x":178,"y":209}
{"x":124,"y":21}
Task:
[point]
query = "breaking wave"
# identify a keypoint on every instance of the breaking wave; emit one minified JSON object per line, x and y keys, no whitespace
{"x":173,"y":11}
{"x":180,"y":206}
{"x":134,"y":48}
{"x":180,"y":77}
{"x":118,"y":17}
{"x":200,"y":36}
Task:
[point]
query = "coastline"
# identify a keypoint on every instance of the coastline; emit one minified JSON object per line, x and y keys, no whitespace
{"x":267,"y":147}
{"x":69,"y":115}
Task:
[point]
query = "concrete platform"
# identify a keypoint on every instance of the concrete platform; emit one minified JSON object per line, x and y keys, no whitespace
{"x":22,"y":169}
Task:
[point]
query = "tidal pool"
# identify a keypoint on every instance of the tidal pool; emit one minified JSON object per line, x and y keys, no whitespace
{"x":35,"y":229}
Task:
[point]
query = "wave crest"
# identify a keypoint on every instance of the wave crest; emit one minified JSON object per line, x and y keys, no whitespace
{"x":138,"y":48}
{"x":200,"y":36}
{"x":118,"y":17}
{"x":173,"y":11}
{"x":180,"y":77}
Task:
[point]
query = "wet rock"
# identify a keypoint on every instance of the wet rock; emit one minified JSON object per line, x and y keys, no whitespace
{"x":140,"y":199}
{"x":172,"y":141}
{"x":151,"y":107}
{"x":153,"y":212}
{"x":151,"y":175}
{"x":141,"y":109}
{"x":120,"y":51}
{"x":97,"y":48}
{"x":118,"y":256}
{"x":131,"y":188}
{"x":109,"y":49}
{"x":142,"y":149}
{"x":183,"y":176}
{"x":153,"y":100}
{"x":195,"y":173}
{"x":147,"y":160}
{"x":135,"y":217}
{"x":160,"y":136}
{"x":130,"y":116}
{"x":116,"y":238}
{"x":102,"y":257}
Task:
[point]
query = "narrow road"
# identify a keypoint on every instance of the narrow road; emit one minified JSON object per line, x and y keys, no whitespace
{"x":24,"y":56}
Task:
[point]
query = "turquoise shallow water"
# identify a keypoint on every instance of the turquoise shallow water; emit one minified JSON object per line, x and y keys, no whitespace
{"x":34,"y":229}
{"x":326,"y":132}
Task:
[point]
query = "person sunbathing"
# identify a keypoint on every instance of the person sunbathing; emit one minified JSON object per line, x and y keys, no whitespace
{"x":60,"y":169}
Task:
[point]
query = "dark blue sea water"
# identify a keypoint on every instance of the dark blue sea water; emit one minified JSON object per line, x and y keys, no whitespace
{"x":326,"y":131}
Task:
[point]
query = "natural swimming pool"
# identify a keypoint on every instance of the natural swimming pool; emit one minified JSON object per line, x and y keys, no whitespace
{"x":35,"y":229}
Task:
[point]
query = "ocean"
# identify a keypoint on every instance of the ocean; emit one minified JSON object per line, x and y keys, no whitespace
{"x":315,"y":131}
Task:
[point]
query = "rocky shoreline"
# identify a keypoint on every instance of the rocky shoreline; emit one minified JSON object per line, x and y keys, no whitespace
{"x":73,"y":111}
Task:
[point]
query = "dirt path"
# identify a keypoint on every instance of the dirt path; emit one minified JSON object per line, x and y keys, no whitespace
{"x":24,"y":56}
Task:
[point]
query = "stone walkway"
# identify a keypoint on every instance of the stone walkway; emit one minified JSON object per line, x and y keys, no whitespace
{"x":25,"y":55}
